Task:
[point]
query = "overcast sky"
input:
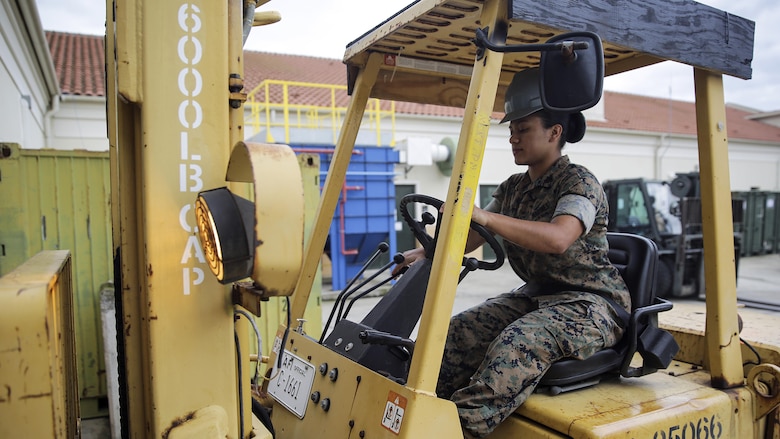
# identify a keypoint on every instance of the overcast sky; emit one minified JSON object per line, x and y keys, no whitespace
{"x":327,"y":21}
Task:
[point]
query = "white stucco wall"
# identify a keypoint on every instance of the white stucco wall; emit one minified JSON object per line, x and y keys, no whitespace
{"x":609,"y":154}
{"x":754,"y":165}
{"x":79,"y":124}
{"x":26,"y":95}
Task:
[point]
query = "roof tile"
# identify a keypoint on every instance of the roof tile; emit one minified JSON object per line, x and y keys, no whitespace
{"x":78,"y":61}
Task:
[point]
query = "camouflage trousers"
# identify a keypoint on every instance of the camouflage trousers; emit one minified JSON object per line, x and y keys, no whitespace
{"x":497,"y":352}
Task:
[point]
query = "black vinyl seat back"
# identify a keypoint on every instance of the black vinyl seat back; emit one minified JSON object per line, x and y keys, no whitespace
{"x":635,"y":257}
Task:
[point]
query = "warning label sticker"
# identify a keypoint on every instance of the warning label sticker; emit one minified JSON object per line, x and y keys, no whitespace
{"x":394,"y":412}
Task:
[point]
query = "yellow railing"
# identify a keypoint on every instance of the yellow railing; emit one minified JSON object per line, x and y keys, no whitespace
{"x":291,"y":104}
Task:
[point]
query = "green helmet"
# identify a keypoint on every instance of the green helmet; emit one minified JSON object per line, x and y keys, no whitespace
{"x":522,"y":96}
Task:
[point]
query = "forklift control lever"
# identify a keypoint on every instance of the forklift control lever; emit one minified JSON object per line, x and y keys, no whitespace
{"x":372,"y":336}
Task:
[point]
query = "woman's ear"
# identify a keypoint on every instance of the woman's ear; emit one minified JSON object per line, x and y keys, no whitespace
{"x":555,"y":133}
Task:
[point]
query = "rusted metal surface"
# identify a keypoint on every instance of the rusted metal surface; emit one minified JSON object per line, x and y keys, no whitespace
{"x":764,"y":379}
{"x":39,"y":396}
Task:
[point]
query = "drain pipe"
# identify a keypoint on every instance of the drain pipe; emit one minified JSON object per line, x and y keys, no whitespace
{"x":249,"y":17}
{"x":30,"y":18}
{"x":54,"y":108}
{"x":660,"y":151}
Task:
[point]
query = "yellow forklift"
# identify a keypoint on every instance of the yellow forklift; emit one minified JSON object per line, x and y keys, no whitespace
{"x":175,"y":111}
{"x":175,"y":124}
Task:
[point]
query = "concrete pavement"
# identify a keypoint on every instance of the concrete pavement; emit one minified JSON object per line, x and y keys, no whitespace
{"x":758,"y":280}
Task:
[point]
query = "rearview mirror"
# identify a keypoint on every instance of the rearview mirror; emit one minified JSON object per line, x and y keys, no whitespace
{"x":572,"y":80}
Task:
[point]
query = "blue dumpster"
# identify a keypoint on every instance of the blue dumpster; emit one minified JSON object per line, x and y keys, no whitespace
{"x":365,"y":212}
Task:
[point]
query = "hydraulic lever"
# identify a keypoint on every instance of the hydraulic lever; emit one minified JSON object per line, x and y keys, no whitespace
{"x":381,"y":248}
{"x":339,"y":315}
{"x":397,"y":259}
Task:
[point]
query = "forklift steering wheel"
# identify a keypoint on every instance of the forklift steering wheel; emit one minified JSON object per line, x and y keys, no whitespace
{"x":429,"y":243}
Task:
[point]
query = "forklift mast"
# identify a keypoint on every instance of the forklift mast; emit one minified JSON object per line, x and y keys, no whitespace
{"x":173,"y":114}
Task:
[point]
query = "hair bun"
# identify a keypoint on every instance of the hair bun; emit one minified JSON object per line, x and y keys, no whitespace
{"x":576,"y":129}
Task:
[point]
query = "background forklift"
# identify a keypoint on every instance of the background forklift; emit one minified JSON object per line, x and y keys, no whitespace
{"x":175,"y":130}
{"x":669,"y":213}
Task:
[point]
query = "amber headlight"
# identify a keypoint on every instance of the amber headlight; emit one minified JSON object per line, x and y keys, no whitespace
{"x":226,"y":231}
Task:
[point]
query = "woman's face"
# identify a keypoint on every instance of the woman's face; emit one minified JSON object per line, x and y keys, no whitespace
{"x":532,"y":143}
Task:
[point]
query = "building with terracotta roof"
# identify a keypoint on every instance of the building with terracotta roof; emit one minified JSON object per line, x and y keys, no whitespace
{"x":628,"y":135}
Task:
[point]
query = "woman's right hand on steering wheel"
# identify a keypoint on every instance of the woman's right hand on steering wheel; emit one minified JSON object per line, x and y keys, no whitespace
{"x":410,"y":257}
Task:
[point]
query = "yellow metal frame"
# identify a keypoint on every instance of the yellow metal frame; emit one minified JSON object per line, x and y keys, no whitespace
{"x":725,"y":356}
{"x":461,"y":196}
{"x":171,"y":127}
{"x":38,"y":349}
{"x":358,"y":400}
{"x":332,"y":188}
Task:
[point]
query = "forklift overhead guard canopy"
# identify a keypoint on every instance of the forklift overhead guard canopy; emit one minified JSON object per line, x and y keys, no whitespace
{"x":429,"y":52}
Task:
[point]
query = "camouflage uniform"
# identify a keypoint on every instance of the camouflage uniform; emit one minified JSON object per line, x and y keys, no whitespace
{"x":497,"y":352}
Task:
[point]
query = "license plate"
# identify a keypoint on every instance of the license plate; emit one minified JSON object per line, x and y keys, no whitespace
{"x":291,"y":384}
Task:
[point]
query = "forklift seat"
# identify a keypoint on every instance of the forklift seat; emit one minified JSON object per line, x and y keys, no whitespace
{"x":635,"y":257}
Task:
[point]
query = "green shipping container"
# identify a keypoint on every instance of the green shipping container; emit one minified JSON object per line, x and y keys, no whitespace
{"x":771,"y":222}
{"x":57,"y":200}
{"x":753,"y":233}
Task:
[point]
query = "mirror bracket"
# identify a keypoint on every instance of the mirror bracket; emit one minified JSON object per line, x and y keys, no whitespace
{"x":482,"y":42}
